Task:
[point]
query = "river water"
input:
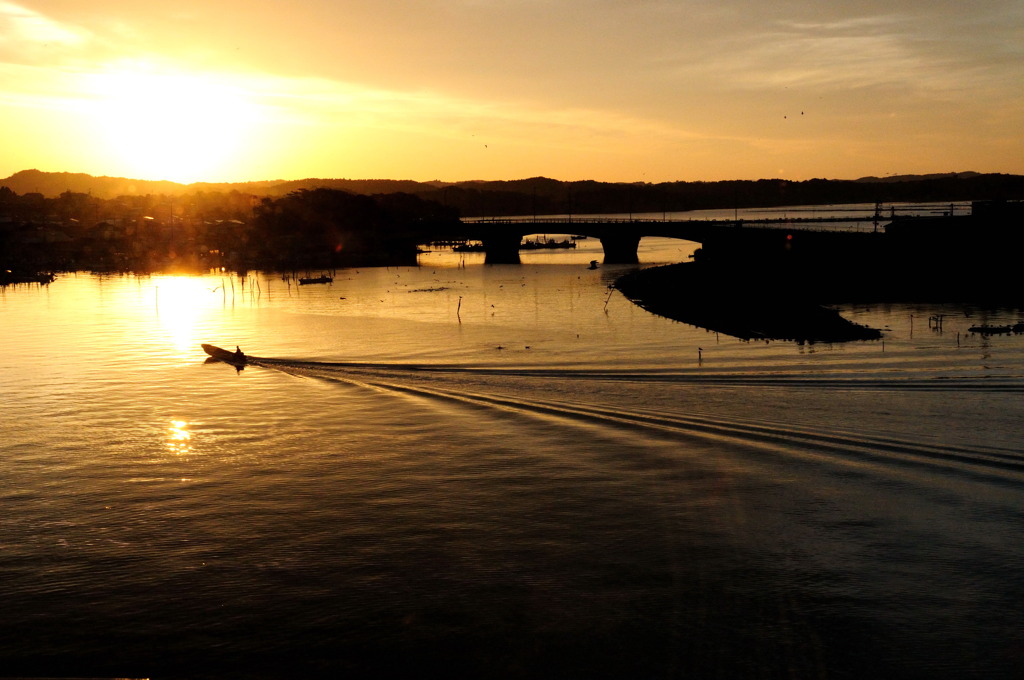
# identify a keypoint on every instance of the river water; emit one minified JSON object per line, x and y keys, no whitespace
{"x":499,"y":471}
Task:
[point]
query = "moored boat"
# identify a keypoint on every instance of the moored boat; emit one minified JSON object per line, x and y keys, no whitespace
{"x":316,"y":279}
{"x":544,"y":244}
{"x":8,"y":277}
{"x":990,"y":330}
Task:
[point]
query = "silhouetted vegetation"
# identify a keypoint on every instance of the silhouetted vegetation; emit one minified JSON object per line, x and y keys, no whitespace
{"x":327,"y":227}
{"x":544,"y":196}
{"x":204,"y":230}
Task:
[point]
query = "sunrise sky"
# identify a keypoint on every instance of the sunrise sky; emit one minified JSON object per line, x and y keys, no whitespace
{"x":611,"y":90}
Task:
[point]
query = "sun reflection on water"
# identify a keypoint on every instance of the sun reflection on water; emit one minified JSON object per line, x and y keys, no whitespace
{"x":180,"y":304}
{"x":179,"y":438}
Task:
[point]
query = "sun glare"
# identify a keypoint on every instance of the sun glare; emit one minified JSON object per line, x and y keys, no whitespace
{"x":180,"y":303}
{"x":175,"y":126}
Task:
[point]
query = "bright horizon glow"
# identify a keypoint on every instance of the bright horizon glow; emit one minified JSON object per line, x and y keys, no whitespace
{"x":612,"y":90}
{"x":169,"y":125}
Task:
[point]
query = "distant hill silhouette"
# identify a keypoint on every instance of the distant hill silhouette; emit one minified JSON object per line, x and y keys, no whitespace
{"x":53,"y":184}
{"x":353,"y":186}
{"x":919,"y":178}
{"x":545,"y":196}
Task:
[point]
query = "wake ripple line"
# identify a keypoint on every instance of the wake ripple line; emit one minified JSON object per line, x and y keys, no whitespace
{"x":990,"y":465}
{"x":1004,"y":383}
{"x":876,"y":448}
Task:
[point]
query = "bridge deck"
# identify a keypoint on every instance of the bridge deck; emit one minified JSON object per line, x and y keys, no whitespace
{"x":807,"y":223}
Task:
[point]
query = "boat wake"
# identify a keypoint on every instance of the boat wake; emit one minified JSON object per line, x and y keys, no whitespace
{"x":526,"y":394}
{"x":355,"y":371}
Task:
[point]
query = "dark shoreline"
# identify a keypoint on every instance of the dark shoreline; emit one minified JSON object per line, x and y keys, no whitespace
{"x":744,"y":306}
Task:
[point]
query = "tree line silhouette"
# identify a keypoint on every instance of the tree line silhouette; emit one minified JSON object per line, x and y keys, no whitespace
{"x":204,"y":230}
{"x":326,"y":223}
{"x":544,"y":196}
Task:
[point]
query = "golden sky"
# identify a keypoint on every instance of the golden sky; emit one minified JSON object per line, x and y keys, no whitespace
{"x":611,"y":90}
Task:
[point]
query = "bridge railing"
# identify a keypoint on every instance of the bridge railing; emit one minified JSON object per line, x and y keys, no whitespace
{"x":553,"y":220}
{"x":824,"y":224}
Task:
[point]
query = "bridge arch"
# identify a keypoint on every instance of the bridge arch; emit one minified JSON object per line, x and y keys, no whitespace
{"x":620,"y":238}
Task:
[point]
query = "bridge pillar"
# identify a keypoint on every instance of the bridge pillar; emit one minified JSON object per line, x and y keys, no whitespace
{"x":620,"y":248}
{"x":502,"y":248}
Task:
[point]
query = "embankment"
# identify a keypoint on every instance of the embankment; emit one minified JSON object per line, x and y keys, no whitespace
{"x":745,"y":307}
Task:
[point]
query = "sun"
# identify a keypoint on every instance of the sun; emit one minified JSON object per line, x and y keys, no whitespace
{"x":161,"y":124}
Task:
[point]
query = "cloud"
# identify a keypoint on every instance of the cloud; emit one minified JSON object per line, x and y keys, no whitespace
{"x":27,"y":36}
{"x":320,"y":100}
{"x":22,"y":24}
{"x":876,"y":52}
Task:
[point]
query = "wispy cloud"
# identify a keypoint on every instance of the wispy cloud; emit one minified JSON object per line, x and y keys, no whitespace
{"x":850,"y":54}
{"x":21,"y":24}
{"x":27,"y":36}
{"x":326,"y":103}
{"x":896,"y":51}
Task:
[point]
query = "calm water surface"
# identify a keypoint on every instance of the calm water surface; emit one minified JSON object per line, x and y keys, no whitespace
{"x":499,"y":471}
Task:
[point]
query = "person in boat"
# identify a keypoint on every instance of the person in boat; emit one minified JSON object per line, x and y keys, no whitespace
{"x":239,"y":356}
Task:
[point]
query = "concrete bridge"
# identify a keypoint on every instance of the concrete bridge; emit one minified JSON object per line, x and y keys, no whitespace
{"x":621,"y":237}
